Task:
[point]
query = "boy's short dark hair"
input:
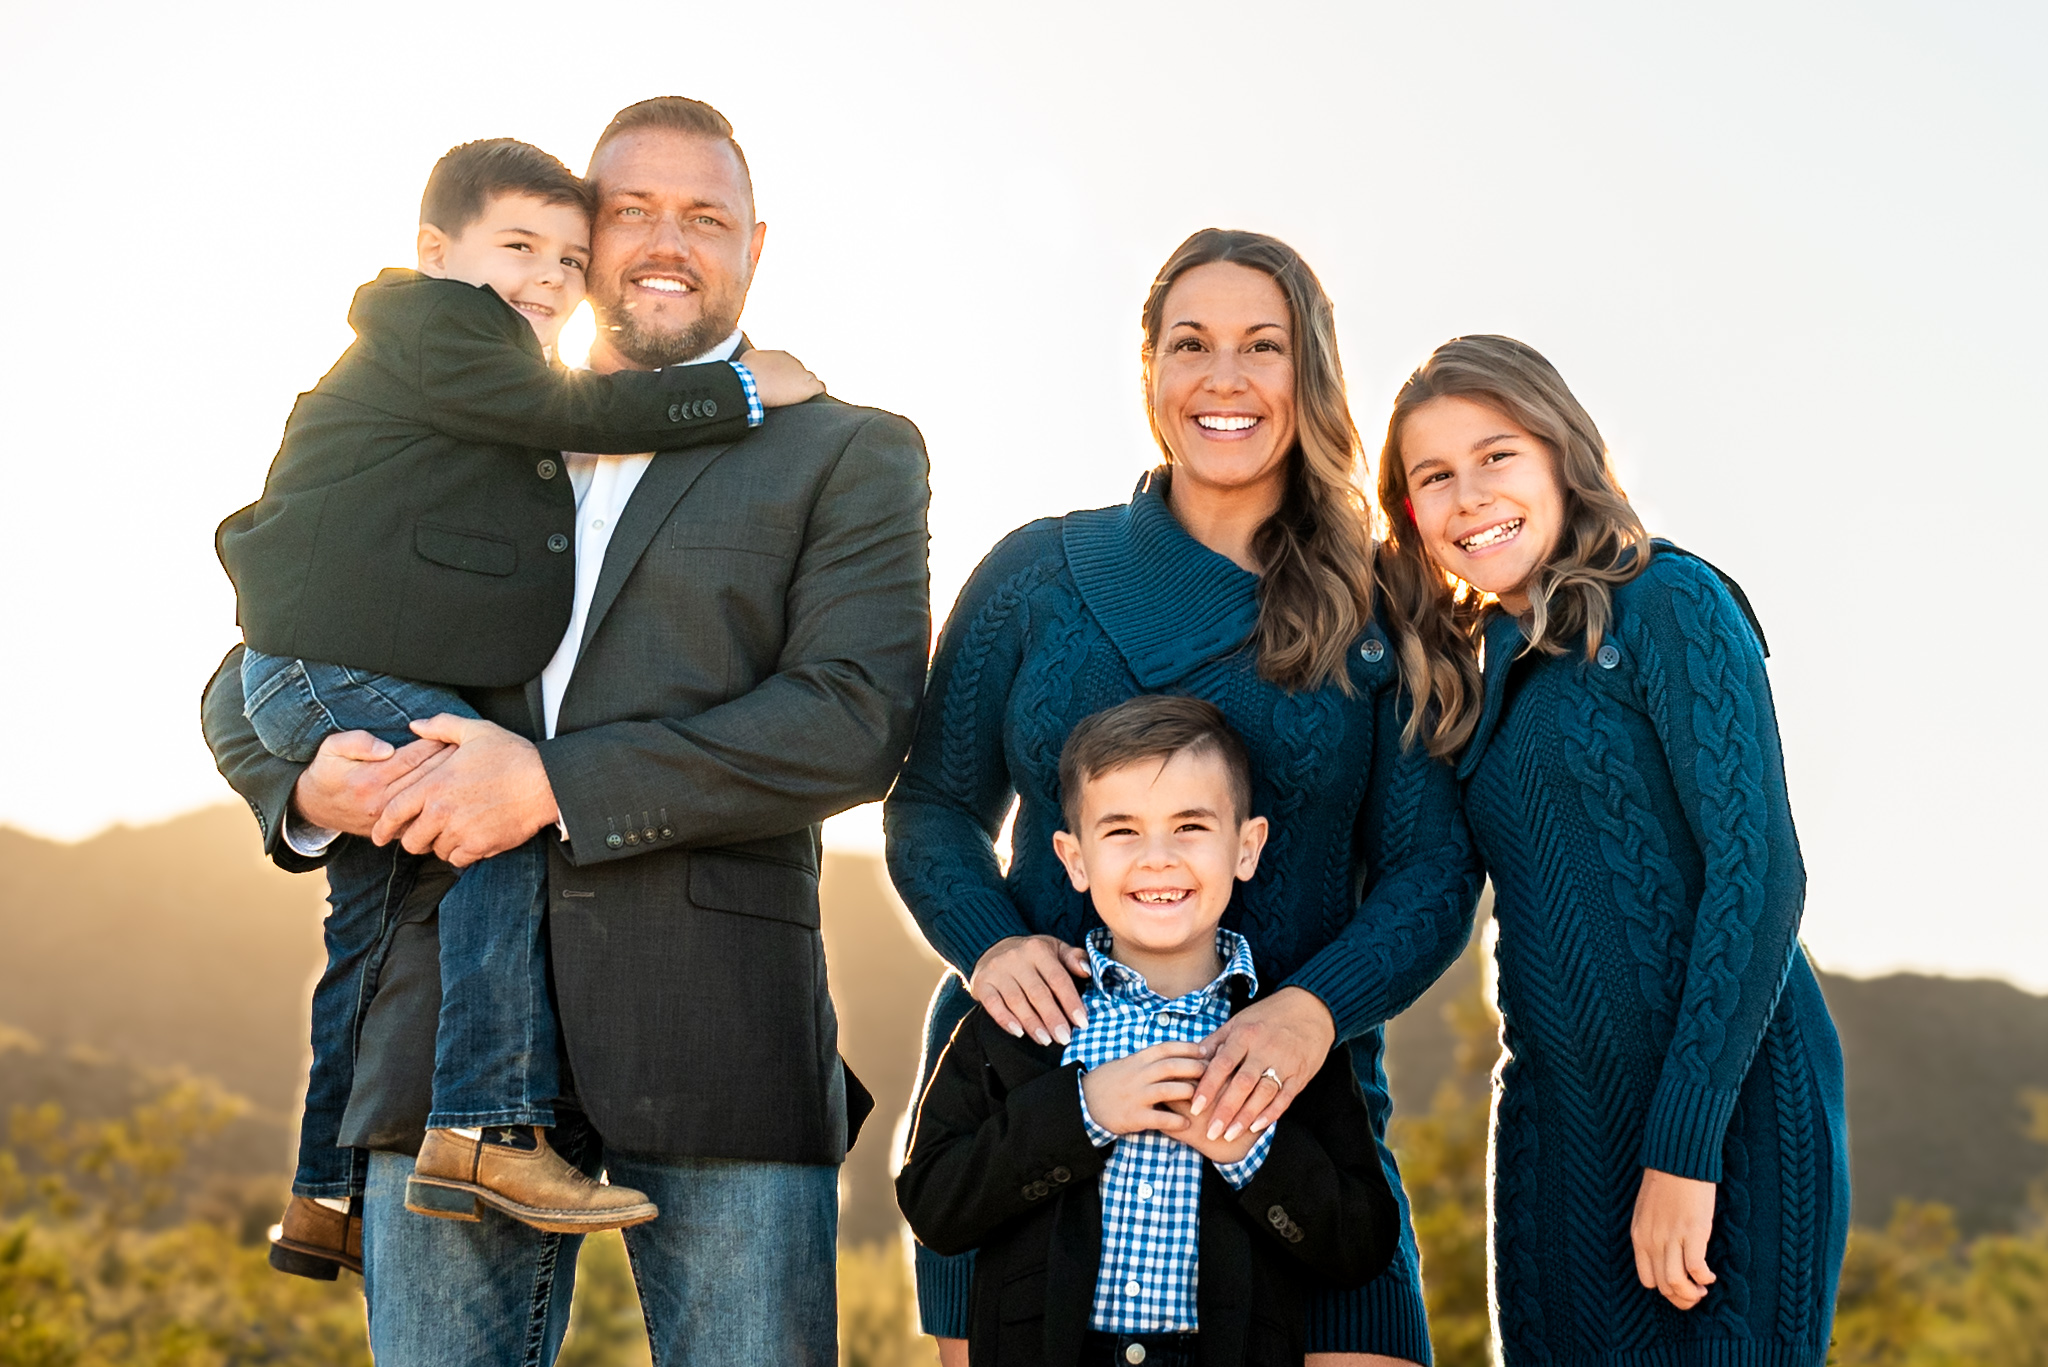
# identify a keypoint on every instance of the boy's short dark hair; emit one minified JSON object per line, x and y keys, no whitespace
{"x":676,"y":114}
{"x":1151,"y":727}
{"x":474,"y":174}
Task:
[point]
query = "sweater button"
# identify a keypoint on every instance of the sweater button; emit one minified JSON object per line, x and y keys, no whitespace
{"x":1607,"y":657}
{"x":558,"y":543}
{"x":1373,"y":651}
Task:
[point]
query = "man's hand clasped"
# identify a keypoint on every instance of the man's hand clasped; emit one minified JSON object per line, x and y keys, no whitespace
{"x":466,"y":790}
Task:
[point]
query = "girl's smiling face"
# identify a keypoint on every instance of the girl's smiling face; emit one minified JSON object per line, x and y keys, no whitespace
{"x":1484,"y":494}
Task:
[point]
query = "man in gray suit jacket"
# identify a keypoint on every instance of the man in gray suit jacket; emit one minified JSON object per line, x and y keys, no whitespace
{"x":748,"y":647}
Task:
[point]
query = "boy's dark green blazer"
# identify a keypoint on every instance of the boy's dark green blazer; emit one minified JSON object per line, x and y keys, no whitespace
{"x":1000,"y":1162}
{"x":417,"y":520}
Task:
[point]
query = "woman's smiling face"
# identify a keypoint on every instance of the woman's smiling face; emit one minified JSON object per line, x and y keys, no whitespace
{"x":1484,"y":494}
{"x":1222,"y":376}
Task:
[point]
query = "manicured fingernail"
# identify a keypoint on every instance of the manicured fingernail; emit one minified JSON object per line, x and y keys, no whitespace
{"x":1258,"y":1124}
{"x":1063,"y":1035}
{"x":1016,"y":1030}
{"x":1216,"y":1130}
{"x":1230,"y":1135}
{"x":1041,"y":1037}
{"x":1200,"y":1102}
{"x":1080,"y":1015}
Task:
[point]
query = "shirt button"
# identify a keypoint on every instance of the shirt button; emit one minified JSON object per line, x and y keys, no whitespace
{"x":1131,"y":1287}
{"x":558,"y":543}
{"x":546,"y":469}
{"x":1163,"y":1018}
{"x":1144,"y":1191}
{"x":1608,"y":657}
{"x":597,"y":524}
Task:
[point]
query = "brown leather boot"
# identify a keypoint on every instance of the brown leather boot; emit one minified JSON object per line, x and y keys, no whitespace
{"x":535,"y":1185}
{"x":316,"y":1242}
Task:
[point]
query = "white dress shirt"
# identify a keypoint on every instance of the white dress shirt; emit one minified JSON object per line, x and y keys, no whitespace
{"x":603,"y":485}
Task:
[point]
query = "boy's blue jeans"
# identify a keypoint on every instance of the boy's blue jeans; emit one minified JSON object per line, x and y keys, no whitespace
{"x":495,"y":1044}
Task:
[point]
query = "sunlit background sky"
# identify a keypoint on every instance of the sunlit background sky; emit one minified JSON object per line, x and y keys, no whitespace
{"x":1790,"y":256}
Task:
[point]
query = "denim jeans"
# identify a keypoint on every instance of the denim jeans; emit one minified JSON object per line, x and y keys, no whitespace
{"x":495,"y":1049}
{"x":738,"y":1270}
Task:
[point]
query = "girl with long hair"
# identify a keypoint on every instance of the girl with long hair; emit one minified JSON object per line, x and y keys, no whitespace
{"x":1239,"y":572}
{"x":1669,"y":1165}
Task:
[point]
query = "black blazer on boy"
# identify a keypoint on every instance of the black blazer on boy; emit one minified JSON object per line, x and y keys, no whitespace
{"x":1000,"y":1162}
{"x":417,"y":520}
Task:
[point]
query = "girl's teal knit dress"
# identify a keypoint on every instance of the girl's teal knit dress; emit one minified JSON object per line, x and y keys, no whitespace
{"x":1658,"y":1010}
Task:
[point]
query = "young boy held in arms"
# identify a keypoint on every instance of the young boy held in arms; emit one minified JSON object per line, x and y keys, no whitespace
{"x":414,"y":537}
{"x":1109,"y":1227}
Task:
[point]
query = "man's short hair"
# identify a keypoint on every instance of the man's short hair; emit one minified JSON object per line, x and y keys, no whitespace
{"x":474,"y":174}
{"x":675,"y":114}
{"x":1151,"y":727}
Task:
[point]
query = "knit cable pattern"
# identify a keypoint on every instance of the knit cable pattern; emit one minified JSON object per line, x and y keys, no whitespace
{"x":1727,"y":765}
{"x":1798,"y":1164}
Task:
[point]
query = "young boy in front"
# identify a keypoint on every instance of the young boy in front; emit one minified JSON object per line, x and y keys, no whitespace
{"x":414,"y":537}
{"x":1108,"y":1227}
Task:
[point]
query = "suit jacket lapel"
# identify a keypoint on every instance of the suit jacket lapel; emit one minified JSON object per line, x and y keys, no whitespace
{"x":669,"y":476}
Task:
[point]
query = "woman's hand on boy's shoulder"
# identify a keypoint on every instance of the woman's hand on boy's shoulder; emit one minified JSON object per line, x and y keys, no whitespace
{"x":1026,"y":984}
{"x":1137,"y":1092}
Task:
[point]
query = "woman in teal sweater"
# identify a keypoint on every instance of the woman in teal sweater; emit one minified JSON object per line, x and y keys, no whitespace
{"x":1240,"y":572}
{"x":1671,"y":1171}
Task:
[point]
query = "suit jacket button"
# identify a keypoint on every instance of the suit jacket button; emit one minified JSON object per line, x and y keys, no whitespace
{"x":648,"y":835}
{"x":1294,"y":1234}
{"x":546,"y":469}
{"x":1134,"y":1354}
{"x":675,"y":412}
{"x":614,"y":841}
{"x":558,"y":543}
{"x":1062,"y":1175}
{"x":710,"y":408}
{"x":1277,"y":1217}
{"x":668,"y":832}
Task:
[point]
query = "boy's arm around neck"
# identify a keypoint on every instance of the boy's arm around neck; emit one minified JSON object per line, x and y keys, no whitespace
{"x":460,"y":360}
{"x":998,"y":1134}
{"x":1322,"y":1193}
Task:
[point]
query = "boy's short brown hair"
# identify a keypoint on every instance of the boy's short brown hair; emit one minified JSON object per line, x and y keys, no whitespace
{"x":472,"y":175}
{"x":1151,"y":727}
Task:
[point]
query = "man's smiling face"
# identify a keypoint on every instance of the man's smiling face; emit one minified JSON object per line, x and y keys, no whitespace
{"x":674,"y":245}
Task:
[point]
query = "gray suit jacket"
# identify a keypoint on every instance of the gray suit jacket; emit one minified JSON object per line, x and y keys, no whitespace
{"x":751,"y":664}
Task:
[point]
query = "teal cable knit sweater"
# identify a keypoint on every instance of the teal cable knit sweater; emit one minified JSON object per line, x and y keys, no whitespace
{"x":1366,"y":890}
{"x":1657,"y":1009}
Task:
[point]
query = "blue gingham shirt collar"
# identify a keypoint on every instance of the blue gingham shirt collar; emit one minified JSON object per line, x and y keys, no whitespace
{"x":1118,"y":980}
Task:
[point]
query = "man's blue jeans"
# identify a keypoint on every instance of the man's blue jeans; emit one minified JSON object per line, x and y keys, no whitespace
{"x":739,"y":1270}
{"x":494,"y":1051}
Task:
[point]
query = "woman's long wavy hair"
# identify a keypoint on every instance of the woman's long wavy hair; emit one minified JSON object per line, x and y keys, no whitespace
{"x":1315,"y":552}
{"x":1435,"y":616}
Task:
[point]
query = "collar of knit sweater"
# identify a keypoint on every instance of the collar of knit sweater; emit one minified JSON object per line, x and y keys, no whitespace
{"x":1169,"y":603}
{"x":1504,"y":640}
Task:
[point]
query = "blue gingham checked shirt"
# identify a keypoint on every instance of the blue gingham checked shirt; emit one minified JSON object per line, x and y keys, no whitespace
{"x":1152,"y":1185}
{"x":756,"y":415}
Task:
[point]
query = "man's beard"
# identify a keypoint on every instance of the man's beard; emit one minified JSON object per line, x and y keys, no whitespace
{"x":652,"y":347}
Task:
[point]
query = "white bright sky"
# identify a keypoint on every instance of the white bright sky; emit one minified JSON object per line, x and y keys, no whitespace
{"x":1790,"y":256}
